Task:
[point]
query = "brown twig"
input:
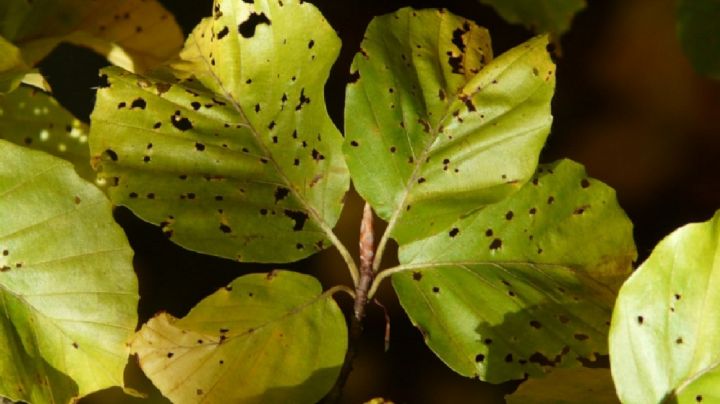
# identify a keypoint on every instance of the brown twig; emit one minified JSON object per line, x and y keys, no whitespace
{"x":367,"y":253}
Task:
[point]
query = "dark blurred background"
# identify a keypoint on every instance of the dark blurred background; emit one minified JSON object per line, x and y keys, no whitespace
{"x":628,"y":106}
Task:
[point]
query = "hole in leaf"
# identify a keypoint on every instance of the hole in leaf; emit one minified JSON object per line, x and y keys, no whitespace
{"x":479,"y":358}
{"x":247,"y":27}
{"x":454,"y":232}
{"x":298,"y":216}
{"x":417,"y":276}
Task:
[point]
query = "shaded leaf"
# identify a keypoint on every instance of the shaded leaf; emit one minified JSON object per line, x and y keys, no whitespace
{"x":434,"y":128}
{"x":31,"y":118}
{"x":68,"y":293}
{"x":553,"y":16}
{"x":663,"y":339}
{"x":241,"y":161}
{"x":699,"y":34}
{"x":266,"y":338}
{"x":12,"y":66}
{"x":135,"y":34}
{"x":523,"y":284}
{"x":567,"y":386}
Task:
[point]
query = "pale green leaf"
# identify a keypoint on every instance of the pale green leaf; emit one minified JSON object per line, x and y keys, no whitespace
{"x":553,"y":16}
{"x":567,"y":386}
{"x":137,"y":35}
{"x":32,"y":118}
{"x":68,"y":293}
{"x":522,"y":284}
{"x":265,"y":338}
{"x":699,"y":34}
{"x":12,"y":66}
{"x":434,"y":128}
{"x":665,"y":331}
{"x":244,"y":164}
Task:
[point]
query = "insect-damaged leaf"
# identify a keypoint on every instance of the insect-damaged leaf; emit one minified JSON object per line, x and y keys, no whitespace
{"x":522,"y":284}
{"x":553,"y":16}
{"x":265,"y":338}
{"x":32,"y":118}
{"x":68,"y":293}
{"x":664,"y":335}
{"x":241,"y":161}
{"x":567,"y":386}
{"x":135,"y":34}
{"x":434,"y":128}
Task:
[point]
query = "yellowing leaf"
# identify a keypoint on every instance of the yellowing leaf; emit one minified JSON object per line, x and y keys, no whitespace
{"x":68,"y":292}
{"x":265,"y":338}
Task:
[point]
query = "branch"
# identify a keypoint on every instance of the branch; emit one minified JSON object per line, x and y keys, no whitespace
{"x":367,"y":252}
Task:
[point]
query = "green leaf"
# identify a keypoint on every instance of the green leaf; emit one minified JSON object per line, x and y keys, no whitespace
{"x":699,"y":33}
{"x":523,"y":284}
{"x":68,"y":293}
{"x":553,"y":16}
{"x":664,"y":335}
{"x":567,"y":386}
{"x":135,"y":34}
{"x":12,"y":66}
{"x":32,"y":118}
{"x":434,"y":128}
{"x":265,"y":338}
{"x":242,"y":161}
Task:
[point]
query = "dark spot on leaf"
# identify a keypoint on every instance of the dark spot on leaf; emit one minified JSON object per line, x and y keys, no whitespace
{"x":563,"y":318}
{"x":247,"y":27}
{"x":271,"y":125}
{"x":133,"y":195}
{"x":580,"y":210}
{"x":121,"y":105}
{"x":487,"y":341}
{"x":421,"y":180}
{"x":180,"y":122}
{"x":146,"y":159}
{"x":454,"y":232}
{"x":698,"y":398}
{"x":170,"y":354}
{"x":75,"y":345}
{"x":585,"y":183}
{"x":113,"y":156}
{"x":296,"y":162}
{"x":224,"y":31}
{"x":5,"y":253}
{"x":393,"y":149}
{"x":225,"y":228}
{"x":468,"y":102}
{"x":496,"y":244}
{"x":679,"y":340}
{"x":299,"y":246}
{"x":535,"y":324}
{"x":28,"y":140}
{"x":436,"y":289}
{"x":316,"y":155}
{"x":199,"y":146}
{"x":150,"y":195}
{"x":303,"y":100}
{"x":263,"y":211}
{"x":508,"y":358}
{"x":196,"y":105}
{"x":581,"y":337}
{"x":456,"y":63}
{"x":354,"y":144}
{"x":199,"y":392}
{"x":425,"y":124}
{"x":509,"y":215}
{"x":138,"y":103}
{"x":550,"y":200}
{"x":441,"y":94}
{"x":298,"y":216}
{"x":479,"y":358}
{"x":311,"y":44}
{"x":457,"y":38}
{"x":417,"y":276}
{"x":677,"y":296}
{"x":640,"y":320}
{"x":281,"y":193}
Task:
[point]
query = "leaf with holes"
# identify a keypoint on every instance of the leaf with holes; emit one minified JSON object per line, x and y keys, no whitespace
{"x":567,"y":386}
{"x":135,"y":34}
{"x":241,"y":161}
{"x":265,"y":338}
{"x":434,"y":127}
{"x":553,"y":16}
{"x":699,"y":34}
{"x":68,"y":293}
{"x":32,"y":118}
{"x":524,"y":284}
{"x":663,"y":340}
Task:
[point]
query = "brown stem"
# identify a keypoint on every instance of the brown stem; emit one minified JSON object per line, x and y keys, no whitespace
{"x":367,"y":252}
